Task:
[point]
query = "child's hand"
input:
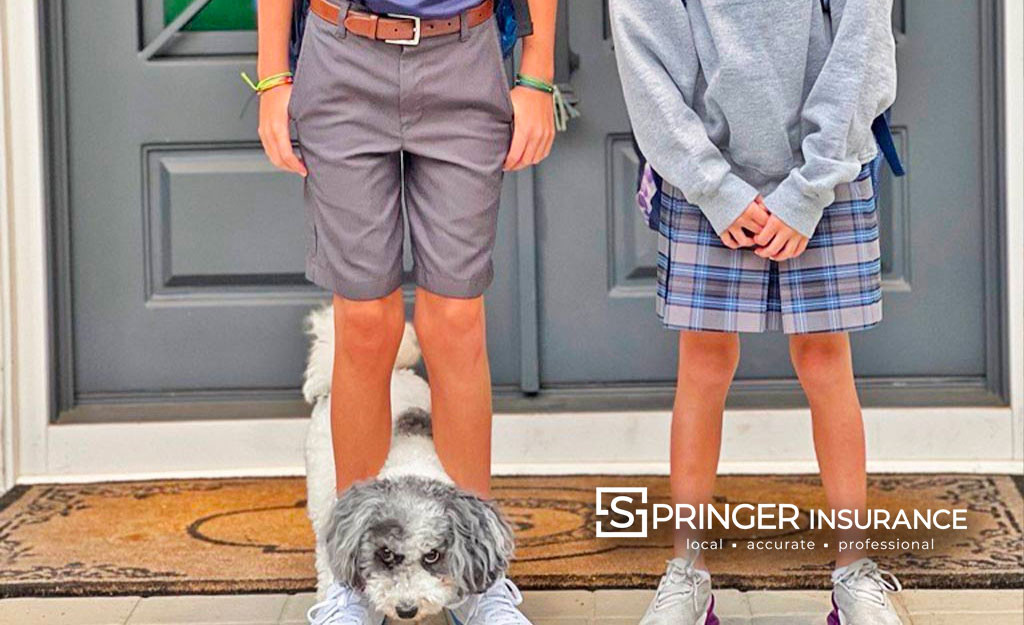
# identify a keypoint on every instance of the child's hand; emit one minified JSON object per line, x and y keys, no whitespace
{"x":534,"y":130}
{"x":778,"y":241}
{"x":274,"y":134}
{"x":752,"y":219}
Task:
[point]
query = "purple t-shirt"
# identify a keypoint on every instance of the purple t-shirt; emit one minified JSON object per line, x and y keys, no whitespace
{"x":423,"y":8}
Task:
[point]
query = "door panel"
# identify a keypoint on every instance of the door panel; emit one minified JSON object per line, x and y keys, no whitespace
{"x":597,"y":258}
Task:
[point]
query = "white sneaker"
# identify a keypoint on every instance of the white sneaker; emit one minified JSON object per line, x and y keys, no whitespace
{"x":860,"y":595}
{"x":495,"y":606}
{"x":683,"y":597}
{"x":343,"y":606}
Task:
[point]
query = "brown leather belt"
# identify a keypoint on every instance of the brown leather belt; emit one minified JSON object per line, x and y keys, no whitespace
{"x":400,"y":29}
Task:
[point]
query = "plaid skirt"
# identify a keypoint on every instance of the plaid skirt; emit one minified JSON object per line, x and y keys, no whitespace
{"x":834,"y":286}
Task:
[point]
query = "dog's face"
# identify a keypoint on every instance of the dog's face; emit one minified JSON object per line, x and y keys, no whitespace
{"x":414,"y":545}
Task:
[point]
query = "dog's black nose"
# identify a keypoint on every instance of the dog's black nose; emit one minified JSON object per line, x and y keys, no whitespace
{"x":406,"y":612}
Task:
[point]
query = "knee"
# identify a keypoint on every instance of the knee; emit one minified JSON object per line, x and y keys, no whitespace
{"x":454,"y":324}
{"x":708,"y":361}
{"x":368,"y":328}
{"x":817,"y":359}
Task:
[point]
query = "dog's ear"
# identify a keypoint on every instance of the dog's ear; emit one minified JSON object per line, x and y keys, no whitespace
{"x":353,"y":513}
{"x":481,"y":542}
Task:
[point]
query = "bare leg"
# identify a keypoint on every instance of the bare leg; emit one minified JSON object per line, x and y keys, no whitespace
{"x":453,"y":338}
{"x":825,"y":367}
{"x":707,"y":363}
{"x":367,"y":336}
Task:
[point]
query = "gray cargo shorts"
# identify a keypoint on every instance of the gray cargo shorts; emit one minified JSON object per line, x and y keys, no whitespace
{"x":376,"y":121}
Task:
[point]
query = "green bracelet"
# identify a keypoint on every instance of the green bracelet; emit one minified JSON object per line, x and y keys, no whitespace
{"x":534,"y":83}
{"x":269,"y":82}
{"x":563,"y":110}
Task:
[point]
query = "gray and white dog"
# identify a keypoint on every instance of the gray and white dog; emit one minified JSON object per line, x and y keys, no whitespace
{"x":410,"y":540}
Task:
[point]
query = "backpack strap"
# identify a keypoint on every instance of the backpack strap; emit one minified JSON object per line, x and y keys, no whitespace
{"x":883,"y":136}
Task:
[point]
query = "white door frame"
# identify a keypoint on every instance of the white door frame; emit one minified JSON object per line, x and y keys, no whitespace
{"x":23,"y":278}
{"x":6,"y":399}
{"x":33,"y":450}
{"x":1013,"y":122}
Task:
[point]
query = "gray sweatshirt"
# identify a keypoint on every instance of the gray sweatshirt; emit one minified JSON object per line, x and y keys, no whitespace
{"x":734,"y":98}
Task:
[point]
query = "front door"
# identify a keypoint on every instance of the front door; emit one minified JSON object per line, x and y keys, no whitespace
{"x":178,"y":249}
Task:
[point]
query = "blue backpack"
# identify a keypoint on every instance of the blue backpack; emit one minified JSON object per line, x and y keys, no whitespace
{"x":648,"y":191}
{"x":512,"y":16}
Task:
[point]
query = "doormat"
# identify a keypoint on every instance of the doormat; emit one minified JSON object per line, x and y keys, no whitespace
{"x":251,"y":535}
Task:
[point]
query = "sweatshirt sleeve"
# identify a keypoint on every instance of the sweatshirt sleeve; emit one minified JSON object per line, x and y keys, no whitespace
{"x":658,"y":68}
{"x":855,"y":85}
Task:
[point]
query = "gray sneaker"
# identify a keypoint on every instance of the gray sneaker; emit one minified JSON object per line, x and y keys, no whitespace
{"x":860,"y":595}
{"x":343,"y":606}
{"x":495,"y":606}
{"x":683,"y":597}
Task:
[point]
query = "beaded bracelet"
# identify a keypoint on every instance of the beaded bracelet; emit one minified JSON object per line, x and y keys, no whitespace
{"x":534,"y":83}
{"x":268,"y":83}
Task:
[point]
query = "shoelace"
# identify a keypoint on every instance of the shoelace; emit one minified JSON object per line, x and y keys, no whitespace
{"x":341,"y":607}
{"x":881,"y":581}
{"x":679,"y":582}
{"x":498,"y":604}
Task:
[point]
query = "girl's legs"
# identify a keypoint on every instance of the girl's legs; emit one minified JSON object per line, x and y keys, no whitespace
{"x":452,"y":335}
{"x":707,"y":362}
{"x":367,"y":336}
{"x":825,"y":367}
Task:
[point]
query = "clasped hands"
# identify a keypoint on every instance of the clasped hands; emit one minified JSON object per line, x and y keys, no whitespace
{"x":770,"y":237}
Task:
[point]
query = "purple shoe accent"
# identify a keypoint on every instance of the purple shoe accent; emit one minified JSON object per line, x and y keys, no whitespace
{"x":711,"y":618}
{"x":833,"y":616}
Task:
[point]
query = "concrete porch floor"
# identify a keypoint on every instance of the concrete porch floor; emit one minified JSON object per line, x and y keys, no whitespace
{"x":571,"y":607}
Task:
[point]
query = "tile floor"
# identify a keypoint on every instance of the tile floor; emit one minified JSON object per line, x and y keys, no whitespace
{"x":606,"y":607}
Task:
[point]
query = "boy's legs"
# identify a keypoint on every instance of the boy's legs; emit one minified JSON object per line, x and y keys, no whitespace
{"x":452,"y":336}
{"x":707,"y":363}
{"x":368,"y":333}
{"x":824,"y":366}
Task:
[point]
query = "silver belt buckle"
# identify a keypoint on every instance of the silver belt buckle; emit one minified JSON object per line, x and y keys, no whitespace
{"x":415,"y":30}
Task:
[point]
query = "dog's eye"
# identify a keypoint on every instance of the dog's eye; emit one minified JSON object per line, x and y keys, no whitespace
{"x":431,"y":557}
{"x":386,"y":555}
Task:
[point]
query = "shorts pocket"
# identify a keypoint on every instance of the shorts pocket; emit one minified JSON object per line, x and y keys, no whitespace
{"x":296,"y":94}
{"x":300,"y":77}
{"x":502,"y":69}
